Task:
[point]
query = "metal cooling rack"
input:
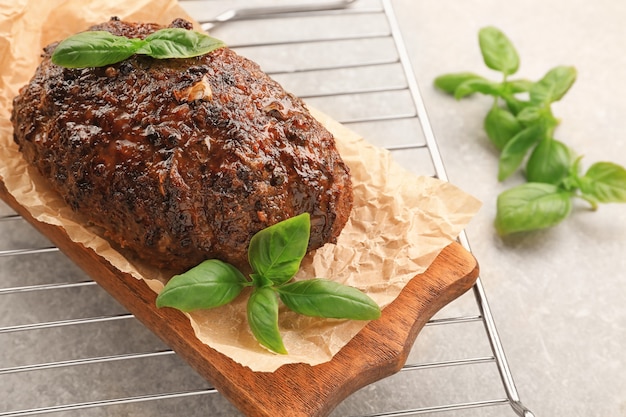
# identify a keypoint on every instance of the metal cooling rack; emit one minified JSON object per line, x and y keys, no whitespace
{"x":70,"y":349}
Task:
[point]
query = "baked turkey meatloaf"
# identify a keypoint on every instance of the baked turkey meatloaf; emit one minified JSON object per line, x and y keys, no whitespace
{"x":181,"y":160}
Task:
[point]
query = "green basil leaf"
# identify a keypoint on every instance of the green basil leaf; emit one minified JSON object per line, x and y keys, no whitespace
{"x":530,"y":114}
{"x":94,"y":49}
{"x":498,"y":52}
{"x":276,"y":251}
{"x":450,"y":82}
{"x":477,"y":85}
{"x":514,"y":104}
{"x":501,"y":126}
{"x":605,"y":182}
{"x":531,"y":206}
{"x":210,"y":284}
{"x":516,"y":149}
{"x":518,"y":86}
{"x":324,"y":298}
{"x":179,"y":43}
{"x":549,"y":162}
{"x":553,"y":86}
{"x":262,"y":315}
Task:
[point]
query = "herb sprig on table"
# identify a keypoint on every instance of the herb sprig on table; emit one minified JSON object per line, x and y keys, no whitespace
{"x":521,"y":125}
{"x":274,"y":254}
{"x":101,"y":48}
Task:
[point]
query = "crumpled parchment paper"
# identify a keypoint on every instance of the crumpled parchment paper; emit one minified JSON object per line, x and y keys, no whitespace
{"x":399,"y":224}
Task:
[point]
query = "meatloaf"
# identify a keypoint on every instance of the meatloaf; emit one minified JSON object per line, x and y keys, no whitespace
{"x":181,"y":160}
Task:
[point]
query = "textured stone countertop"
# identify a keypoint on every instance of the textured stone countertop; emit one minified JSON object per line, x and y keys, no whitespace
{"x":557,"y":295}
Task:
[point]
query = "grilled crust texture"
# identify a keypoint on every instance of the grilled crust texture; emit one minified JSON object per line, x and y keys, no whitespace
{"x":181,"y":160}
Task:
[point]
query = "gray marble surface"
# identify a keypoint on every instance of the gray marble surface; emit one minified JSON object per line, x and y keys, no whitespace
{"x":557,"y":295}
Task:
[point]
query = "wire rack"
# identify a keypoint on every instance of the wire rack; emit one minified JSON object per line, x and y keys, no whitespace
{"x":70,"y":349}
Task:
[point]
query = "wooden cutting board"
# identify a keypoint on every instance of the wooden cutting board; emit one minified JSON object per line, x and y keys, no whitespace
{"x":297,"y":390}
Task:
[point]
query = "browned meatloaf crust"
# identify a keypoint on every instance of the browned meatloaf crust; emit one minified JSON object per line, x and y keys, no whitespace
{"x":181,"y":160}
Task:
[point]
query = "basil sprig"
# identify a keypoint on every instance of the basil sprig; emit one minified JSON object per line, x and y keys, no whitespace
{"x":101,"y":48}
{"x":274,"y":254}
{"x":521,"y":125}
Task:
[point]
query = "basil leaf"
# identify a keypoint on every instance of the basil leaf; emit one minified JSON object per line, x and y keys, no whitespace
{"x":477,"y":85}
{"x":516,"y":149}
{"x":94,"y":49}
{"x":549,"y":162}
{"x":498,"y":52}
{"x":605,"y":182}
{"x":518,"y":86}
{"x":450,"y":82}
{"x":179,"y":43}
{"x":553,"y":86}
{"x":501,"y":126}
{"x":530,"y":114}
{"x":262,"y":315}
{"x":324,"y":298}
{"x":531,"y":206}
{"x":276,"y":251}
{"x":210,"y":284}
{"x":101,"y":48}
{"x":514,"y":104}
